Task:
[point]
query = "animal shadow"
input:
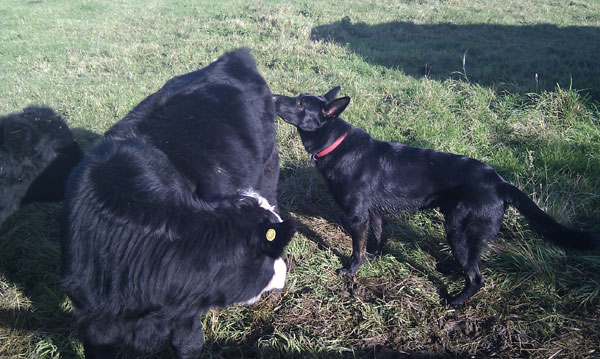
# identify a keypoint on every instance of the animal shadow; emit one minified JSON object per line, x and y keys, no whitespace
{"x":302,"y":192}
{"x":32,"y":301}
{"x":31,"y":298}
{"x":525,"y":59}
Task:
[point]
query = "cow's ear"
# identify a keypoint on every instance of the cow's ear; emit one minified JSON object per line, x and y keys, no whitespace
{"x":332,"y":94}
{"x":244,"y":202}
{"x":19,"y":136}
{"x":275,"y":236}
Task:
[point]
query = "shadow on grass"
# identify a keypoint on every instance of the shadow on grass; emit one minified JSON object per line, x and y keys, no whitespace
{"x":249,"y":349}
{"x":85,"y":137}
{"x":30,"y":260}
{"x":515,"y":58}
{"x":302,"y":192}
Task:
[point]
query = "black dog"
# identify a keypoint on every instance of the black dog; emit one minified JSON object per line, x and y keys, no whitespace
{"x":166,"y":216}
{"x":370,"y":178}
{"x":37,"y":151}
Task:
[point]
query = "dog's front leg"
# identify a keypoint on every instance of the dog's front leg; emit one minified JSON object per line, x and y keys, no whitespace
{"x":358,"y":227}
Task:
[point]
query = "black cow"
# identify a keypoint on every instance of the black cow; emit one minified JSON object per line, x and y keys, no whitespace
{"x":172,"y":213}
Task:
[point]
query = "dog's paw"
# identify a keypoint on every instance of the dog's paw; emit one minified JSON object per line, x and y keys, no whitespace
{"x":448,"y":267}
{"x":348,"y":273}
{"x":451,"y":301}
{"x":456,"y":305}
{"x":455,"y":302}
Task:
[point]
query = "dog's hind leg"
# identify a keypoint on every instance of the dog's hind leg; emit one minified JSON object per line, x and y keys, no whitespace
{"x":468,"y":236}
{"x":377,"y":228}
{"x":473,"y":282}
{"x":469,"y":262}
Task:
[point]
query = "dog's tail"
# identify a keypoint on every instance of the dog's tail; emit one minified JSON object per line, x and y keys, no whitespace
{"x":545,"y":225}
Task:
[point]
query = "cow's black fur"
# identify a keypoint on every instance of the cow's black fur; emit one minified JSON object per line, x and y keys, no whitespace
{"x":37,"y":151}
{"x":156,"y":228}
{"x":370,"y":178}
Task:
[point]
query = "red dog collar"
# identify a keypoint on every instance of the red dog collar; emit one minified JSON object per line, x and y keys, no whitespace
{"x":331,"y":147}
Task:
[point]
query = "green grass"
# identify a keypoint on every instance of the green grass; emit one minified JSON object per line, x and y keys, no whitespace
{"x":458,"y":76}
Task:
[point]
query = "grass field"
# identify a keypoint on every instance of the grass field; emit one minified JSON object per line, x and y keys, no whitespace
{"x":513,"y":83}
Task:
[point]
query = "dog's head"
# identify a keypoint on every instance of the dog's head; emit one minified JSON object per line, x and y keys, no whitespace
{"x":310,"y":112}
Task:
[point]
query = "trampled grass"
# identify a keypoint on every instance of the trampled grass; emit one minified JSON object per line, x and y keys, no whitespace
{"x":512,"y":83}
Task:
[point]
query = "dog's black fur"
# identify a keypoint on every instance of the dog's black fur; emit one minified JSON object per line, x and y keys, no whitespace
{"x":37,"y":151}
{"x":370,"y":178}
{"x":156,"y":229}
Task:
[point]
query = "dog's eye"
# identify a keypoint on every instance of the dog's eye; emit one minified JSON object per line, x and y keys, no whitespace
{"x":299,"y":103}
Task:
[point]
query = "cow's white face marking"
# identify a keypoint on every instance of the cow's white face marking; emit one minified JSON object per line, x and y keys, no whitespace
{"x":279,"y":267}
{"x":277,"y":281}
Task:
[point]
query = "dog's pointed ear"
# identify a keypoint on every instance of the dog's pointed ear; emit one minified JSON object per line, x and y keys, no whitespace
{"x":335,"y":108}
{"x":332,"y":94}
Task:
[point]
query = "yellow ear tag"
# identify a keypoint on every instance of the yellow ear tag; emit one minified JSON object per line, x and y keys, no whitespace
{"x":271,"y":234}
